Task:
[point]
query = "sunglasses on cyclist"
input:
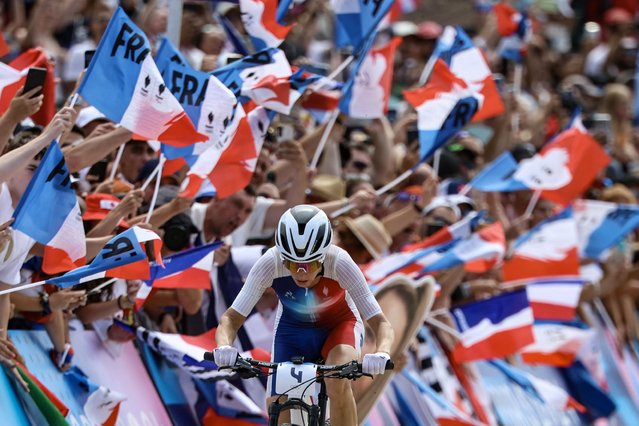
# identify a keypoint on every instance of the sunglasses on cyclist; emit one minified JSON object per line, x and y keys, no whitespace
{"x":308,"y":267}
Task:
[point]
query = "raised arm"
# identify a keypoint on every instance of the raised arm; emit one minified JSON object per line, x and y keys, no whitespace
{"x":104,"y":140}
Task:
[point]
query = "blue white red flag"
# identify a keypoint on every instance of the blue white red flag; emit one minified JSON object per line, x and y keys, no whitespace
{"x":101,"y":405}
{"x":515,"y":30}
{"x":601,"y":225}
{"x":186,"y":269}
{"x":550,"y":249}
{"x":556,"y":344}
{"x":493,"y":328}
{"x":127,"y":256}
{"x":461,"y":229}
{"x":245,"y":73}
{"x":546,"y":392}
{"x":444,"y":106}
{"x":167,"y":54}
{"x":467,"y":62}
{"x":356,"y":20}
{"x":408,"y":263}
{"x":232,"y":171}
{"x":370,"y":91}
{"x":554,"y":299}
{"x":261,"y":23}
{"x":137,"y":97}
{"x":213,"y":107}
{"x":495,"y":177}
{"x":558,"y":170}
{"x":281,"y":94}
{"x":50,"y":195}
{"x":482,"y":249}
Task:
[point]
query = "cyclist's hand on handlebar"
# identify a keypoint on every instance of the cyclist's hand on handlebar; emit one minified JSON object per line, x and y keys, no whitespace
{"x":225,"y":356}
{"x":375,"y":363}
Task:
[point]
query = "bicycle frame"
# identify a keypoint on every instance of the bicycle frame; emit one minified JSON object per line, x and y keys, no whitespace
{"x":316,"y":413}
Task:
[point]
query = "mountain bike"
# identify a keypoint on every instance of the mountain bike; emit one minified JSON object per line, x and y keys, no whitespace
{"x":293,"y":380}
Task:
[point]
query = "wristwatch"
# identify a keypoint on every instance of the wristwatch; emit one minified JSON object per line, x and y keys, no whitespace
{"x":44,"y":301}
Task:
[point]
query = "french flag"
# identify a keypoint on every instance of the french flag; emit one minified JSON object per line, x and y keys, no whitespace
{"x":496,"y":176}
{"x":468,"y":62}
{"x":101,"y":405}
{"x":514,"y":28}
{"x":554,"y":299}
{"x":215,"y":109}
{"x":550,"y":249}
{"x":601,"y":225}
{"x":259,"y":20}
{"x":444,"y":106}
{"x":546,"y":392}
{"x":232,"y":171}
{"x":137,"y":95}
{"x":556,"y":344}
{"x":51,"y":196}
{"x":370,"y":92}
{"x":480,"y":252}
{"x":242,"y":75}
{"x":126,"y":256}
{"x":462,"y":229}
{"x":493,"y":328}
{"x":408,"y":263}
{"x":355,"y":21}
{"x":167,"y":54}
{"x":14,"y":75}
{"x":187,"y":269}
{"x":187,"y":352}
{"x":558,"y":170}
{"x":281,"y":94}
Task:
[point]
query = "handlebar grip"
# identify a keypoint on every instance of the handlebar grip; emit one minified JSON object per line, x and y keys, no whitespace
{"x":208,"y":356}
{"x":390,"y":365}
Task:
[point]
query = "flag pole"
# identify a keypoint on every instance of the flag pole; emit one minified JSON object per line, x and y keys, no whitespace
{"x":533,"y":202}
{"x":156,"y":190}
{"x":346,"y":62}
{"x":444,"y":327}
{"x":517,"y":78}
{"x":428,"y":70}
{"x":116,"y":163}
{"x":324,"y":139}
{"x":436,"y":161}
{"x":174,"y":26}
{"x":150,"y":178}
{"x":23,"y":287}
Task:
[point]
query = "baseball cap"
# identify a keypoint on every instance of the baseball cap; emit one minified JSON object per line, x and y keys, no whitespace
{"x":99,"y":205}
{"x":89,"y":114}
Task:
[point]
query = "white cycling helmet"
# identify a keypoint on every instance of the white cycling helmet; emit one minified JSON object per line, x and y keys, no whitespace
{"x":303,"y":234}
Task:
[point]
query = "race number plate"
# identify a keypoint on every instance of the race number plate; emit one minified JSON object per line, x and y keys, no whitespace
{"x":290,"y":375}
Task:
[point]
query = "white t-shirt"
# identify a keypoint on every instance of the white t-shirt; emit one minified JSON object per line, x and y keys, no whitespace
{"x":11,"y":264}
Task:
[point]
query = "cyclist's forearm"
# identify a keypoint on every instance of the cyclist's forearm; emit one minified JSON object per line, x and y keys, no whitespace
{"x":230,"y":322}
{"x":384,"y":334}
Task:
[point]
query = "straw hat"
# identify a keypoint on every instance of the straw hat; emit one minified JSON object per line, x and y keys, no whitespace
{"x":371,"y":233}
{"x":328,"y":187}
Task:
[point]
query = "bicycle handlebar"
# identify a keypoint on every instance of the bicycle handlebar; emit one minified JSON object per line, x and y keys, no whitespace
{"x":349,"y":368}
